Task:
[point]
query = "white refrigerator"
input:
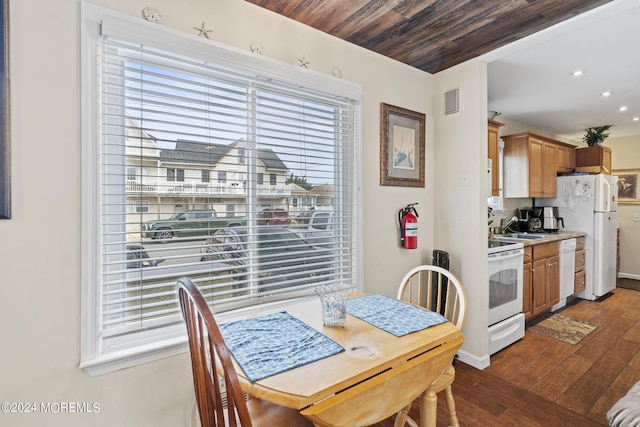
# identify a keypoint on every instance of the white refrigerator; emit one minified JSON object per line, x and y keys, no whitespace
{"x":588,"y":203}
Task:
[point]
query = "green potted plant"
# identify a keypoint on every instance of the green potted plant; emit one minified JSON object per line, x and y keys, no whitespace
{"x":596,"y":135}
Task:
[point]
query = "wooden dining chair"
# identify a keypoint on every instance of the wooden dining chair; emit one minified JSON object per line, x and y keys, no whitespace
{"x":436,"y":289}
{"x":213,"y":372}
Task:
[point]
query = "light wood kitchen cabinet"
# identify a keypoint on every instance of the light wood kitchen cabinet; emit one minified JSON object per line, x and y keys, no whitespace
{"x":532,"y":162}
{"x":549,"y":171}
{"x":580,"y":277}
{"x":579,"y":260}
{"x":493,"y":152}
{"x":596,"y":159}
{"x":553,"y":281}
{"x":566,"y":160}
{"x":525,"y":170}
{"x":544,"y":278}
{"x":539,"y":286}
{"x":581,"y":282}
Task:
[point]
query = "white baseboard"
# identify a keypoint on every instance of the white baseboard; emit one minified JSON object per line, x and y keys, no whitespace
{"x":628,"y":276}
{"x":473,"y":360}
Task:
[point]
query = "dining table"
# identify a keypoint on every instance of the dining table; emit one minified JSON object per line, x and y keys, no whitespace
{"x":358,"y":374}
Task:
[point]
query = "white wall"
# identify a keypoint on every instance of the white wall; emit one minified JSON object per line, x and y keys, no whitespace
{"x":625,"y":154}
{"x":40,"y":245}
{"x":460,"y":147}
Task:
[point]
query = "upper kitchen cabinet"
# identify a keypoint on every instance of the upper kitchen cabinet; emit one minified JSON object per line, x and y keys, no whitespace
{"x":532,"y":162}
{"x":566,"y":161}
{"x":596,"y":158}
{"x":493,"y":154}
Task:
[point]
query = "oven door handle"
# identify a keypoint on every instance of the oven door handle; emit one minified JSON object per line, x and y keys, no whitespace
{"x":499,"y":257}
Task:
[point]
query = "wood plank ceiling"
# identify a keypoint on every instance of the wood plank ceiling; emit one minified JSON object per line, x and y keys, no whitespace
{"x":431,"y":35}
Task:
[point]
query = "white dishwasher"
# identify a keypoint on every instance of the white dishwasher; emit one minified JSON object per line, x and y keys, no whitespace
{"x":567,"y":262}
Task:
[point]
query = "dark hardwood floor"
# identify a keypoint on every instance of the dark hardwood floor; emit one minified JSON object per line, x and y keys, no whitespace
{"x":540,"y":381}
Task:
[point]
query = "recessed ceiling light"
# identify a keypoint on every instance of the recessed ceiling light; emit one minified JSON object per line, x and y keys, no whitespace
{"x":623,"y":108}
{"x":578,"y":73}
{"x":635,"y":119}
{"x":606,"y":93}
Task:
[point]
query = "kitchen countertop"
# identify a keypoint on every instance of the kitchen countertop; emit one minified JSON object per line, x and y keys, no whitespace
{"x":549,"y":237}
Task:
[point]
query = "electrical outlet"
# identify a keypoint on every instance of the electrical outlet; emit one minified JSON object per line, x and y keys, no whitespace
{"x":636,"y":217}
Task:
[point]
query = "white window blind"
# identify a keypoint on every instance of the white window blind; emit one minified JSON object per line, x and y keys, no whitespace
{"x":175,"y":119}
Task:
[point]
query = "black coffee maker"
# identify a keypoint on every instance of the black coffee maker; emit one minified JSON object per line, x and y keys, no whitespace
{"x":523,"y":220}
{"x":536,"y":217}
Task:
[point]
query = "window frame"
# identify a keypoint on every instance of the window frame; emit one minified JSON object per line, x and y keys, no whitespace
{"x":175,"y":175}
{"x":133,"y":177}
{"x":93,"y":20}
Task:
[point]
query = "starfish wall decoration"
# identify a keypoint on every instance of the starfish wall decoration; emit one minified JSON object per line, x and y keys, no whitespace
{"x":203,"y":31}
{"x":303,"y":62}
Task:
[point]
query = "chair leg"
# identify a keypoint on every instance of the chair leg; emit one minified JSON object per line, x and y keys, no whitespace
{"x":428,"y":408}
{"x":401,"y":416}
{"x":452,"y":408}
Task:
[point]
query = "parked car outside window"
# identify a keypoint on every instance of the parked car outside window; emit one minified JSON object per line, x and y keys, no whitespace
{"x":320,"y":221}
{"x":138,"y":257}
{"x":283,"y":258}
{"x":197,"y":222}
{"x":321,"y":229}
{"x":274,"y":217}
{"x":304,"y":217}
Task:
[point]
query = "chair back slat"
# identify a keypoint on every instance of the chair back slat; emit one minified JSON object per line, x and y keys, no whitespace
{"x":210,"y":359}
{"x":443,"y":294}
{"x":436,"y":289}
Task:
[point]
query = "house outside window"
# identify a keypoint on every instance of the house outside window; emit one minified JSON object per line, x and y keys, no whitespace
{"x":205,"y":176}
{"x":270,"y":114}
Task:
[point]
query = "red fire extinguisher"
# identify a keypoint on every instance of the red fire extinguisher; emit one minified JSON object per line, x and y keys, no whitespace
{"x":408,"y":219}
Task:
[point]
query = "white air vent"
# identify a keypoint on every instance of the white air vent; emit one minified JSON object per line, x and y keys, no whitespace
{"x":451,"y":101}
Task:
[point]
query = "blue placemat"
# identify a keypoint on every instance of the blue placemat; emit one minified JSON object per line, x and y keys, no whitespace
{"x":274,"y":343}
{"x":391,"y":315}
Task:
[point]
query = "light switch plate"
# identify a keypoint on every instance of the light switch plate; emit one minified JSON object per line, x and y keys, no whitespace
{"x":636,"y":217}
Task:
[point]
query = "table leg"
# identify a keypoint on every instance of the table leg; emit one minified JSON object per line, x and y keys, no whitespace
{"x":428,"y":409}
